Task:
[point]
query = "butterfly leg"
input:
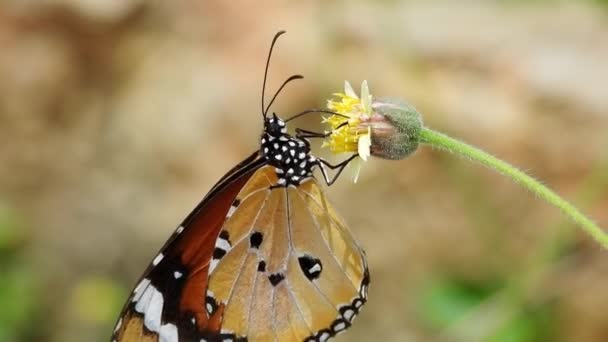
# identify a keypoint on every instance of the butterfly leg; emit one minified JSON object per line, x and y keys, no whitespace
{"x":323,"y":164}
{"x":302,"y":133}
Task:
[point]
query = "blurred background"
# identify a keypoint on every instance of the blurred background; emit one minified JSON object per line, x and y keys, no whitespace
{"x":117,"y":116}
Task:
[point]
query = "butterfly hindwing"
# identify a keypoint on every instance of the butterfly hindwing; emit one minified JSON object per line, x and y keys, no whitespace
{"x":293,"y":270}
{"x":259,"y":263}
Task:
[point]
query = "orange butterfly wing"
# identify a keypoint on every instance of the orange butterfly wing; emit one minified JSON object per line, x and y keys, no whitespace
{"x":292,"y":271}
{"x":168,"y":300}
{"x":254,"y":262}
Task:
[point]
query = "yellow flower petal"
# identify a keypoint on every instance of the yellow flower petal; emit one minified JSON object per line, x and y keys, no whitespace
{"x":348,"y":90}
{"x":356,"y":167}
{"x":366,"y":99}
{"x":349,"y":133}
{"x":364,"y":144}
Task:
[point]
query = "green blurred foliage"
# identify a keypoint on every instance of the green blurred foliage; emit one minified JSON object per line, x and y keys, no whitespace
{"x":12,"y":233}
{"x":18,"y":293}
{"x":603,"y":3}
{"x":96,"y":300}
{"x":535,"y":324}
{"x":446,"y":301}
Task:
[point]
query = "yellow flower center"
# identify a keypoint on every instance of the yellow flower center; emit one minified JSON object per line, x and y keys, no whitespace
{"x":350,"y":130}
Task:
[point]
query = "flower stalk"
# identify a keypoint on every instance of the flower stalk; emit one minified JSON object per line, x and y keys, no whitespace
{"x":446,"y":143}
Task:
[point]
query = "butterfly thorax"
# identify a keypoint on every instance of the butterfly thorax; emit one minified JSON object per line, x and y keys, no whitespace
{"x":288,"y":154}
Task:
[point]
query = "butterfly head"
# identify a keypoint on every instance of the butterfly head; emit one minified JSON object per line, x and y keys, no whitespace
{"x":274,"y":126}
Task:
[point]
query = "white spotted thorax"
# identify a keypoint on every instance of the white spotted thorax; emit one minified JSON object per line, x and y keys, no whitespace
{"x":288,"y":154}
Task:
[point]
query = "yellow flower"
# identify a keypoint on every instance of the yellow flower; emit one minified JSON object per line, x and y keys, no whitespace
{"x":350,"y":130}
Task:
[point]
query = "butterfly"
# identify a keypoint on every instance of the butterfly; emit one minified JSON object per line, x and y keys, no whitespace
{"x":263,"y":257}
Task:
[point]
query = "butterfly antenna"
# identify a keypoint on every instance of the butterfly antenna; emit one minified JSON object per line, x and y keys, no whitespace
{"x":274,"y":40}
{"x":292,"y":78}
{"x":316,"y":111}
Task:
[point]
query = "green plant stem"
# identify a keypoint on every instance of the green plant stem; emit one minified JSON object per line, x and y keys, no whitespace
{"x":444,"y":142}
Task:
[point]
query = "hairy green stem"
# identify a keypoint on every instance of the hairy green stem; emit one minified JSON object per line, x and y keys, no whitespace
{"x":444,"y":142}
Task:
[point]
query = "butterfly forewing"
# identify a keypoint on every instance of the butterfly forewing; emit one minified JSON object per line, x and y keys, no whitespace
{"x":167,"y":302}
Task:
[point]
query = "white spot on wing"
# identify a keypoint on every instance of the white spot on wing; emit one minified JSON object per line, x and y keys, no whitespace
{"x":168,"y":333}
{"x":223,"y":244}
{"x":158,"y":259}
{"x":179,"y":230}
{"x":150,"y":304}
{"x":138,"y":292}
{"x":142,"y":304}
{"x":339,"y":327}
{"x":363,"y":291}
{"x":118,"y":325}
{"x":177,"y":274}
{"x":154,"y":310}
{"x":213,"y":264}
{"x":349,"y":314}
{"x":231,"y":211}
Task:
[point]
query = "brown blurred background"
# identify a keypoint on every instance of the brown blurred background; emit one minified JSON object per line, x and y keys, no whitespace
{"x":117,"y":116}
